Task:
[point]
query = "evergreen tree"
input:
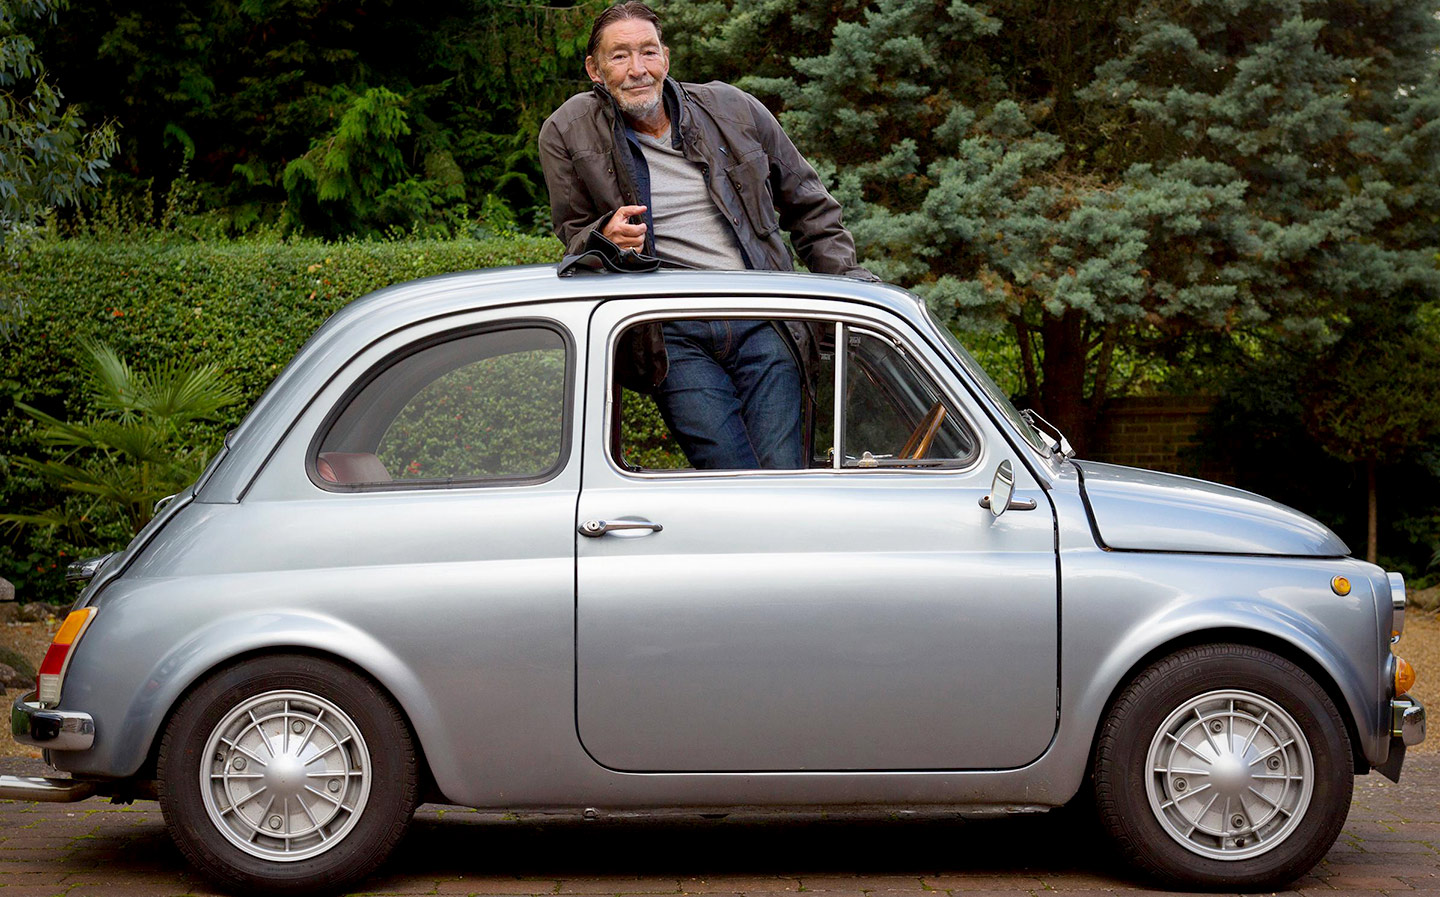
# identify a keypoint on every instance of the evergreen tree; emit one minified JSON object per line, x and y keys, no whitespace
{"x":1109,"y":179}
{"x":1374,"y":397}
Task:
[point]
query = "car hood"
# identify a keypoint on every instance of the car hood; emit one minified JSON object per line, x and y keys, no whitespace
{"x":1143,"y":510}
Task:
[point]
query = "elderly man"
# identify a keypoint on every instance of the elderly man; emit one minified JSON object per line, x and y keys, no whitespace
{"x":700,"y":174}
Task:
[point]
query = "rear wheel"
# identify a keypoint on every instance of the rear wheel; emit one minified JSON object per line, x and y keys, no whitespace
{"x":289,"y":774}
{"x":1224,"y":766}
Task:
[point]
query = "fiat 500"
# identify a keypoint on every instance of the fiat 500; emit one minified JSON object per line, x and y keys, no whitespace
{"x":430,"y":566}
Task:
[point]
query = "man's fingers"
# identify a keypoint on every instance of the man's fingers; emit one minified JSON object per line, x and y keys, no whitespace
{"x":621,"y":232}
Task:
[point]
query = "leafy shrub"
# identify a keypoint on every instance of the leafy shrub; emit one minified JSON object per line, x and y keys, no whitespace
{"x":246,"y":307}
{"x":645,"y":440}
{"x":138,"y":449}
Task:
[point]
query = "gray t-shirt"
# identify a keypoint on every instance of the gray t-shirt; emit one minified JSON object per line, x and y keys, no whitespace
{"x":688,"y":226}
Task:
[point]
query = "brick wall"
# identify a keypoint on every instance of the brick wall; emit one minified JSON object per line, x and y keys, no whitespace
{"x":1155,"y":432}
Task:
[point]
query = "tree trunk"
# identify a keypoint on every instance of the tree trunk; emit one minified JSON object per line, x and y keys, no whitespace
{"x":1063,"y":379}
{"x":1372,"y":521}
{"x":1026,"y":338}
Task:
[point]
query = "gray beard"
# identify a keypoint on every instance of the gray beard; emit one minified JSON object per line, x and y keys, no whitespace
{"x":640,"y":111}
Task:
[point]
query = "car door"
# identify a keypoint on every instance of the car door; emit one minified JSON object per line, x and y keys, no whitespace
{"x":864,"y":614}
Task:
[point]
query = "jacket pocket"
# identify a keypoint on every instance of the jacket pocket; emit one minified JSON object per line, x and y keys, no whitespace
{"x":750,"y":178}
{"x":596,"y":173}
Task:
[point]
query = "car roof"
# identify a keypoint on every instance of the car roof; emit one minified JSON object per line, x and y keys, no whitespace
{"x":385,"y":311}
{"x":392,"y":307}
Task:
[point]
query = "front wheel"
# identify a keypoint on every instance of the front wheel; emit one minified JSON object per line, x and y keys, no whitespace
{"x":287,"y":774}
{"x":1224,"y":766}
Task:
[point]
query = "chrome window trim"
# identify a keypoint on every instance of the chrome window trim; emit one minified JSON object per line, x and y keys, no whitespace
{"x":842,"y":368}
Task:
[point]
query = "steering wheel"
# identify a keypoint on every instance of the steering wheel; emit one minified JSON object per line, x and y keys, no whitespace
{"x":918,"y":445}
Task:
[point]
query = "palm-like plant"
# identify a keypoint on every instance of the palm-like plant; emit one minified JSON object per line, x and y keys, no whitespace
{"x":136,"y":448}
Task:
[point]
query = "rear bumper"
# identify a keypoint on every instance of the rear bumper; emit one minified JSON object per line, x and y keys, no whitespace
{"x":53,"y":730}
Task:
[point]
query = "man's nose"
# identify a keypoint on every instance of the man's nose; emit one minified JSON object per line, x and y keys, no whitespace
{"x":636,"y":64}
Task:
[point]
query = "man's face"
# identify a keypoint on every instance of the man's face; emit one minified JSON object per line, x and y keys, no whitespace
{"x":630,"y":61}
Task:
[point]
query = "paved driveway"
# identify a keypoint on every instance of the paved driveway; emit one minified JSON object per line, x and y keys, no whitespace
{"x":1391,"y":844}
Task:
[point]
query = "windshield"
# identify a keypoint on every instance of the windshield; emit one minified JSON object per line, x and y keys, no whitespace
{"x":977,"y":373}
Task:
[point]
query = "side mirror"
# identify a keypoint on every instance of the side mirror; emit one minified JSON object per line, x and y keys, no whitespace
{"x":1001,"y":488}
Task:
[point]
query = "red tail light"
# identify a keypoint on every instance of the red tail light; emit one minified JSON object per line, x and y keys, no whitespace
{"x":57,"y":658}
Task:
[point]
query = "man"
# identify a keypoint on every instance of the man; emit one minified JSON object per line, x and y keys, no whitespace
{"x":700,"y":174}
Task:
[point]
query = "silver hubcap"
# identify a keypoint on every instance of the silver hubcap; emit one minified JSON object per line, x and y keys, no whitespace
{"x":1230,"y":775}
{"x":287,"y":777}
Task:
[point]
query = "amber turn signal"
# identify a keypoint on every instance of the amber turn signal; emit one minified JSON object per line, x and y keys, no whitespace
{"x":1340,"y":585}
{"x":1404,"y":676}
{"x":57,"y":658}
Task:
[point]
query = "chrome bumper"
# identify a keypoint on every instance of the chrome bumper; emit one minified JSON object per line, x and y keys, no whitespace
{"x":53,"y":730}
{"x":1407,"y":720}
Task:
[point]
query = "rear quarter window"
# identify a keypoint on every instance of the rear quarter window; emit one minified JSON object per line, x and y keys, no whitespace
{"x":489,"y":406}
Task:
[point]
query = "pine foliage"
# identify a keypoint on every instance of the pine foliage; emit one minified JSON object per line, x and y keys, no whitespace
{"x":1110,"y":179}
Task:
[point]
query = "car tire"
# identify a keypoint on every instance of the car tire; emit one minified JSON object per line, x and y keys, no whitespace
{"x":287,"y":775}
{"x":1223,"y":767}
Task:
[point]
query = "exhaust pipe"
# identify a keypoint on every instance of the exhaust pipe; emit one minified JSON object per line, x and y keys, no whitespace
{"x":46,"y":790}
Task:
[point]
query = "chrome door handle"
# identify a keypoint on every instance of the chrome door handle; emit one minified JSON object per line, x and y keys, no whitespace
{"x":1016,"y":504}
{"x":597,"y":528}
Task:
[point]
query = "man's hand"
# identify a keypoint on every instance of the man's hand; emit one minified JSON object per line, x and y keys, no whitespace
{"x":621,"y":232}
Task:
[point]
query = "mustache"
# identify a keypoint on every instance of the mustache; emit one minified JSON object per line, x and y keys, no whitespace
{"x":645,"y":82}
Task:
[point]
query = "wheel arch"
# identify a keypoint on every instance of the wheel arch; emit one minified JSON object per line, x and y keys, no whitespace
{"x":330,"y":641}
{"x":1255,"y":638}
{"x":147,"y":769}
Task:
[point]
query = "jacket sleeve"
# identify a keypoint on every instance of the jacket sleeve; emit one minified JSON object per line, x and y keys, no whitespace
{"x":808,"y":212}
{"x":572,"y":211}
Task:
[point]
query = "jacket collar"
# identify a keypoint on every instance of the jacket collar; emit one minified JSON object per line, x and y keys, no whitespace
{"x":673,"y":95}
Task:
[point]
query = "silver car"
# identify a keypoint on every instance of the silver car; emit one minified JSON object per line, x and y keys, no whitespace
{"x":429,"y":567}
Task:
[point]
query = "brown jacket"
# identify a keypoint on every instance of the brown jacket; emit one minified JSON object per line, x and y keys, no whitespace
{"x":757,"y":178}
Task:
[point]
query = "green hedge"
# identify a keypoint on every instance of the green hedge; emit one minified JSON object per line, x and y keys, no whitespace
{"x":246,"y":306}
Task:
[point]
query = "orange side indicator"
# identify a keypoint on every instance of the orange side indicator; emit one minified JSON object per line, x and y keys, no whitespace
{"x":1404,"y":676}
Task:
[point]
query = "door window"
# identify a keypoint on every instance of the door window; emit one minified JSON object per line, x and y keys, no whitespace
{"x":893,"y":414}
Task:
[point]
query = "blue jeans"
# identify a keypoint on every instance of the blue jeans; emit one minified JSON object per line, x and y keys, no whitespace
{"x":731,"y":396}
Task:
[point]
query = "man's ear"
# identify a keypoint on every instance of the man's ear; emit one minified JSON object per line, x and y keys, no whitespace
{"x":593,"y":70}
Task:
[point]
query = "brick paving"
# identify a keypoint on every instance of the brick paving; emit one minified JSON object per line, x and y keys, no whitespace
{"x":1390,"y":845}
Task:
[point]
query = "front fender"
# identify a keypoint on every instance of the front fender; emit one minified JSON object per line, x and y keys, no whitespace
{"x":1160,"y":602}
